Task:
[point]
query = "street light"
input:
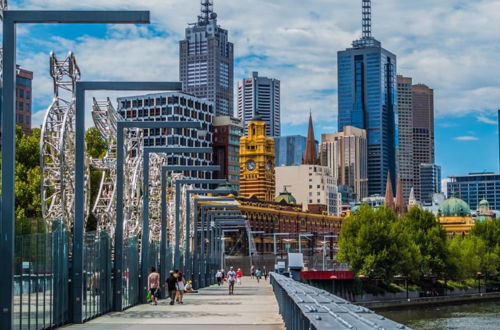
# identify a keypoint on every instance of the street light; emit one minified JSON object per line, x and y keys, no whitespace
{"x":479,"y":281}
{"x":300,"y":241}
{"x":250,"y":236}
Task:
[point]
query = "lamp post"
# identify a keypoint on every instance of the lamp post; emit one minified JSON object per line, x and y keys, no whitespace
{"x":249,"y":248}
{"x":324,"y":246}
{"x":11,"y":18}
{"x":479,"y":281}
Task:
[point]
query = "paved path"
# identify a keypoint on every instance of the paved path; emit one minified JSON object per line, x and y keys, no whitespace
{"x":253,"y":306}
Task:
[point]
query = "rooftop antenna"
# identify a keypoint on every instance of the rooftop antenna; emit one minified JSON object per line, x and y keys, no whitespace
{"x":207,"y":8}
{"x":367,"y":19}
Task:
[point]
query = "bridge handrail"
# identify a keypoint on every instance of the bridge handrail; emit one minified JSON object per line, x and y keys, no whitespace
{"x":305,"y":307}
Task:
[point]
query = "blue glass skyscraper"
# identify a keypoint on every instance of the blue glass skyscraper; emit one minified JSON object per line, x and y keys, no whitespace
{"x":367,"y":99}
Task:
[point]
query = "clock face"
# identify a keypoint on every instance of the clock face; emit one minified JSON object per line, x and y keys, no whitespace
{"x":251,"y":165}
{"x":269,"y":165}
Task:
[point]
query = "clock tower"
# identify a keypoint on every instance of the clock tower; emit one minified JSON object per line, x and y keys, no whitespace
{"x":257,"y":176}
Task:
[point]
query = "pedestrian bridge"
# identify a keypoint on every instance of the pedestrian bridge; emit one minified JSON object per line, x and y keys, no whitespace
{"x":253,"y":306}
{"x":286,"y":304}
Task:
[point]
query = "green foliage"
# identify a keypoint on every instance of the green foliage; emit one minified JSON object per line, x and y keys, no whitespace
{"x":376,"y":245}
{"x":379,"y":245}
{"x":28,"y":179}
{"x":96,"y":145}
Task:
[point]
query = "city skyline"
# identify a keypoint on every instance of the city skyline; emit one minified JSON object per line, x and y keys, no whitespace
{"x":423,"y":53}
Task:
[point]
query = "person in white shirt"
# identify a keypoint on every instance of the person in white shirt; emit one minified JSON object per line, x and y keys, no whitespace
{"x":231,"y":279}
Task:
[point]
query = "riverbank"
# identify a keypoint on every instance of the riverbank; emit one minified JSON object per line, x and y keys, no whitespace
{"x":429,"y":301}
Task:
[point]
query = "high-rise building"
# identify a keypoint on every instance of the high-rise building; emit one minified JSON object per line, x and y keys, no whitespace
{"x":499,"y":137}
{"x":24,"y":98}
{"x":206,"y":61}
{"x":260,"y":95}
{"x":475,"y":187}
{"x":346,"y":154}
{"x":406,"y":167}
{"x":367,"y":99}
{"x":257,"y":178}
{"x":173,"y":106}
{"x":430,"y":182}
{"x":423,"y":130}
{"x":416,"y":136}
{"x":289,"y":150}
{"x":227,"y":134}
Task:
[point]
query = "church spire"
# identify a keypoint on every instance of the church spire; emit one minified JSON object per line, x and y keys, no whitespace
{"x":310,"y":156}
{"x":400,"y":204}
{"x":389,"y":195}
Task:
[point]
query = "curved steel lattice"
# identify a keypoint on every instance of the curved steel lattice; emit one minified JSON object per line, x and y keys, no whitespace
{"x":57,"y":145}
{"x":104,"y":209}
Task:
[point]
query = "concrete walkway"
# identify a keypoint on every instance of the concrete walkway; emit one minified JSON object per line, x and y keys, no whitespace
{"x":253,"y":306}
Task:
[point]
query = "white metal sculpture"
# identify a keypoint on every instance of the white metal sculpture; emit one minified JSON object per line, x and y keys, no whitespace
{"x":57,"y":144}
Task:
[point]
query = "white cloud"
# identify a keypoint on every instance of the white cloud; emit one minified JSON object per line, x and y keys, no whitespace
{"x":466,"y":138}
{"x":448,"y":45}
{"x":487,"y":120}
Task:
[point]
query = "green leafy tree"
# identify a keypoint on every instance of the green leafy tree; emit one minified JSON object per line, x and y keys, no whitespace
{"x":375,"y":245}
{"x":431,"y":239}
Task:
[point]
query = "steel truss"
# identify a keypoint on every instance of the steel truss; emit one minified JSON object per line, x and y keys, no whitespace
{"x":57,"y":145}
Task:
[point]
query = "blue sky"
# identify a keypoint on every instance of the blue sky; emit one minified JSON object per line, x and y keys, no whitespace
{"x":450,"y":45}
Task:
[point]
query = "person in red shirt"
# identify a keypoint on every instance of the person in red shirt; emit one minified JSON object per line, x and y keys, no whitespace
{"x":239,"y":275}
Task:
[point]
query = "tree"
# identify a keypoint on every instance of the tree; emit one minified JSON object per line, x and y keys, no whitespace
{"x":96,"y":145}
{"x":431,"y":239}
{"x":376,"y":245}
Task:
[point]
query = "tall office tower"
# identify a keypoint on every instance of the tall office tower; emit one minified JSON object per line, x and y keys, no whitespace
{"x":24,"y":98}
{"x":405,"y":127}
{"x":206,"y":61}
{"x":262,"y":95}
{"x":367,"y":99}
{"x":227,"y":134}
{"x":423,"y":130}
{"x":346,"y":154}
{"x":499,"y":136}
{"x":289,"y":150}
{"x":430,"y":182}
{"x":173,"y":106}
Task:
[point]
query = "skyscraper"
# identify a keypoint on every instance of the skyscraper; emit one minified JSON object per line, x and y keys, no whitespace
{"x":405,"y":125}
{"x":262,"y":95}
{"x":206,"y":61}
{"x":423,"y":131}
{"x":345,"y":153}
{"x":289,"y":150}
{"x":367,"y":99}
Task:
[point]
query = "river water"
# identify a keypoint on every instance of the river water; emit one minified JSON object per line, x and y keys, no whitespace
{"x":484,"y":315}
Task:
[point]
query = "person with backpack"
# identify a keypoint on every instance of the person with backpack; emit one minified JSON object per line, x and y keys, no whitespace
{"x":231,"y":279}
{"x":172,"y":287}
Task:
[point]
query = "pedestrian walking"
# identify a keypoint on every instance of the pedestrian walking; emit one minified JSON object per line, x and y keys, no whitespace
{"x":252,"y":272}
{"x":171,"y":286}
{"x":153,"y":286}
{"x":231,"y":279}
{"x":266,"y":273}
{"x":218,"y":277}
{"x":239,"y":275}
{"x":258,"y":274}
{"x":179,"y":287}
